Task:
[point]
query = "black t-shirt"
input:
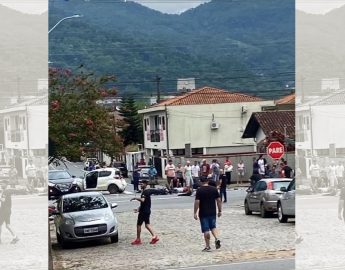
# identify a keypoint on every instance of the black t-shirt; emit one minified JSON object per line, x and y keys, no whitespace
{"x":224,"y":180}
{"x":207,"y":195}
{"x":287,"y":171}
{"x":145,"y":207}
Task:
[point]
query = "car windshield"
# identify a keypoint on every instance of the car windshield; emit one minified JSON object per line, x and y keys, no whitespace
{"x":58,"y":175}
{"x":278,"y":185}
{"x":83,"y":203}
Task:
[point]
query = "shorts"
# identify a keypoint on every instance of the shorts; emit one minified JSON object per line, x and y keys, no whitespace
{"x":5,"y":218}
{"x":143,"y":217}
{"x":207,"y":223}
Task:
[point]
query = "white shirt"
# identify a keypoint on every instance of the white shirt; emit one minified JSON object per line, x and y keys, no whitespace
{"x":240,"y":167}
{"x":340,"y":170}
{"x":188,"y":171}
{"x":261,"y":164}
{"x":195,"y":170}
{"x":314,"y":170}
{"x":31,"y":170}
{"x":228,"y":168}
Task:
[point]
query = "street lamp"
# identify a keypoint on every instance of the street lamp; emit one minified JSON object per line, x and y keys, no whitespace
{"x":63,"y":19}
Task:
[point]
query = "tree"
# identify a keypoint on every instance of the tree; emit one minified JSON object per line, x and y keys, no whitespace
{"x":132,"y":130}
{"x":77,"y":123}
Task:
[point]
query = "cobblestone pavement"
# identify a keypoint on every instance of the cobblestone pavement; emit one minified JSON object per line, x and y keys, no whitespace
{"x":243,"y":238}
{"x":322,"y":232}
{"x":29,"y":221}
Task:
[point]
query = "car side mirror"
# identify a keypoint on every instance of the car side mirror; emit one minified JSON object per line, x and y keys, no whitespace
{"x":283,"y":189}
{"x":114,"y":205}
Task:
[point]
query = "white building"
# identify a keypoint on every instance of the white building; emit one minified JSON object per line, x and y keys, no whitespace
{"x":206,"y":121}
{"x":25,"y":131}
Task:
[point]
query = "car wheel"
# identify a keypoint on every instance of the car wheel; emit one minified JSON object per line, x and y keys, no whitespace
{"x":263,"y":212}
{"x":61,"y":241}
{"x":113,"y":189}
{"x":281,"y":217}
{"x":246,"y":209}
{"x":115,"y":238}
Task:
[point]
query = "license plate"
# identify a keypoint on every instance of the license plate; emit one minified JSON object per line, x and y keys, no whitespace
{"x":91,"y":230}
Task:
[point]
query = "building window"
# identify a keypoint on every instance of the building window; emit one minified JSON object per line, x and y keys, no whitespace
{"x":145,"y":124}
{"x":163,"y":122}
{"x":197,"y":151}
{"x":179,"y":152}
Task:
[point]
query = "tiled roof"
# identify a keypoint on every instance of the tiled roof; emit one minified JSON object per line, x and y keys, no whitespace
{"x":208,"y":95}
{"x":271,"y":121}
{"x":290,"y":99}
{"x":334,"y":99}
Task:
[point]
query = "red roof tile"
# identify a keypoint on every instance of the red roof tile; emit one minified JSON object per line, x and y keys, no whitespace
{"x":290,"y":99}
{"x":208,"y":95}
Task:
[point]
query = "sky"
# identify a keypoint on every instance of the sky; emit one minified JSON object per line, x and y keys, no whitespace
{"x":173,"y":6}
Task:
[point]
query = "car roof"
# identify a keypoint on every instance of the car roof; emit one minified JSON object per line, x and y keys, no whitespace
{"x":276,"y":179}
{"x":78,"y":194}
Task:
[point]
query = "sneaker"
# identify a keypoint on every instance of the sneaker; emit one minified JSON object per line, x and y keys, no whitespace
{"x":206,"y":249}
{"x":136,"y":242}
{"x":218,"y":244}
{"x":154,"y":240}
{"x":15,"y":240}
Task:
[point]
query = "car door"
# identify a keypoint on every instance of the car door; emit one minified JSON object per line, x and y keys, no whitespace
{"x":58,"y":218}
{"x":254,"y":199}
{"x":261,"y":193}
{"x":289,"y":200}
{"x":91,"y":180}
{"x":103,"y":179}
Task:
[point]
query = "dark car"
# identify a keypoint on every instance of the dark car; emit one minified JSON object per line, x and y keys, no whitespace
{"x":60,"y":182}
{"x":122,"y":167}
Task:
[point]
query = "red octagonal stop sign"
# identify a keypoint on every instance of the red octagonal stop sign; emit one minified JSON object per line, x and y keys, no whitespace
{"x":275,"y":150}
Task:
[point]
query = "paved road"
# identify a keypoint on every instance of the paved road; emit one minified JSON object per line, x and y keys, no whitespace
{"x":278,"y":264}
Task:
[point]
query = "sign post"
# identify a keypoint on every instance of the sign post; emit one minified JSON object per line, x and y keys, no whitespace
{"x":275,"y":150}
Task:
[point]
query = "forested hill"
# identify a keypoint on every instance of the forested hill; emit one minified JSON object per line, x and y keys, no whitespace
{"x":238,"y":45}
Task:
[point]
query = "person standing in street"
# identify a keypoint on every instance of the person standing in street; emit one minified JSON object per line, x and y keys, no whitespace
{"x":341,"y":205}
{"x":205,"y":169}
{"x":136,"y":177}
{"x":6,"y":210}
{"x":332,"y":177}
{"x":188,"y":176}
{"x":228,"y":168}
{"x":261,"y":164}
{"x":196,"y":172}
{"x":287,"y":171}
{"x":215,"y":169}
{"x":144,"y":212}
{"x":31,"y":175}
{"x":340,"y":174}
{"x":179,"y":174}
{"x":152,"y":175}
{"x":206,"y":199}
{"x":170,"y":173}
{"x":222,"y":186}
{"x":314,"y":171}
{"x":240,"y":172}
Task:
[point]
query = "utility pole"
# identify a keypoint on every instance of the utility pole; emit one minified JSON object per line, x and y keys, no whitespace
{"x":158,"y":79}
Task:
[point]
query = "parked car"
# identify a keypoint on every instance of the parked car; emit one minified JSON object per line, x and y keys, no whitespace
{"x":264,"y":195}
{"x":60,"y":182}
{"x":122,"y":167}
{"x":286,"y":203}
{"x":104,"y":179}
{"x":84,"y":216}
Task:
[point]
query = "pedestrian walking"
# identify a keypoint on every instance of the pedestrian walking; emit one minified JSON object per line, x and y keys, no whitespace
{"x":222,"y":186}
{"x":261,"y":164}
{"x":136,"y":177}
{"x":206,"y":199}
{"x":205,"y":169}
{"x":152,"y":176}
{"x":228,"y":168}
{"x":215,"y":169}
{"x":240,"y":172}
{"x":170,"y":173}
{"x":144,"y":212}
{"x":179,"y":174}
{"x":188,"y":176}
{"x":6,"y":210}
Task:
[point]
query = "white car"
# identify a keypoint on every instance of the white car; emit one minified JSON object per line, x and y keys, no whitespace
{"x":104,"y":179}
{"x":84,"y":216}
{"x":286,"y":203}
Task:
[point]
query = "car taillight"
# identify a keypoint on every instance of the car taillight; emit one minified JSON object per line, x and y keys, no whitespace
{"x":270,"y":185}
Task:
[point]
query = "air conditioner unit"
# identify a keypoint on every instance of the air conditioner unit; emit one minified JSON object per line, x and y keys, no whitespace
{"x":214,"y":125}
{"x":244,"y":109}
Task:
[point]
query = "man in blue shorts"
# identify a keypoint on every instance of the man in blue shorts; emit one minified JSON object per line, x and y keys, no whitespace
{"x":206,"y":199}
